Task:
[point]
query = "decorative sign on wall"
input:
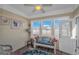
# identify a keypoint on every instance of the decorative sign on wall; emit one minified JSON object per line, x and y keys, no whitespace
{"x":4,"y":20}
{"x":15,"y":24}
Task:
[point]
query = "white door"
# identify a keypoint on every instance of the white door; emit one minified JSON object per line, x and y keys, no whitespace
{"x":77,"y":41}
{"x":66,"y":44}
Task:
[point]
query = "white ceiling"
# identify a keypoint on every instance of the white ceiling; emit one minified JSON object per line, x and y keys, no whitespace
{"x":49,"y":10}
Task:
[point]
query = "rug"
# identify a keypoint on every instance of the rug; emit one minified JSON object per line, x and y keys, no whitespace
{"x":35,"y":52}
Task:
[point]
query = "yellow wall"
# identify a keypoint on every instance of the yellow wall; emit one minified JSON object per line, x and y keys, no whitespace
{"x":14,"y":37}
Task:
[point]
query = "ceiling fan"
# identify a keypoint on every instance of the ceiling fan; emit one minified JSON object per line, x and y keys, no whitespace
{"x":38,"y":7}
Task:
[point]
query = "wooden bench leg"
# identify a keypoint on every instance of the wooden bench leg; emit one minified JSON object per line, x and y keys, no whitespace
{"x":54,"y":47}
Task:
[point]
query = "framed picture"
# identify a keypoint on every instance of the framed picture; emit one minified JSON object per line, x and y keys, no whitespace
{"x":4,"y":20}
{"x":15,"y":24}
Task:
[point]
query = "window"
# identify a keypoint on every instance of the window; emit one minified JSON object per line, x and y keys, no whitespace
{"x":57,"y":27}
{"x":47,"y":23}
{"x":66,"y":28}
{"x":36,"y":24}
{"x":36,"y":27}
{"x":46,"y":27}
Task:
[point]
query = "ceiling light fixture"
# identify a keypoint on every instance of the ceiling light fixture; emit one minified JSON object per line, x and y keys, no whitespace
{"x":38,"y":8}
